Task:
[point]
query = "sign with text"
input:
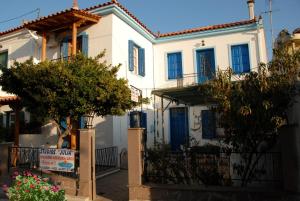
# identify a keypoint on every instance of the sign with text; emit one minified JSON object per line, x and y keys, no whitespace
{"x":135,"y":94}
{"x":62,"y":160}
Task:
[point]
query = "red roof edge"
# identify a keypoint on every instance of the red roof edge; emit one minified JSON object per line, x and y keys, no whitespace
{"x":126,"y":11}
{"x":206,"y":28}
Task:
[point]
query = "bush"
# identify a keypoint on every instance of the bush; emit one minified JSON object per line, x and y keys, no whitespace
{"x":30,"y":187}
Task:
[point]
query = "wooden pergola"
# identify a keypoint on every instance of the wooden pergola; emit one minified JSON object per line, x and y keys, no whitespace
{"x":14,"y":104}
{"x":60,"y":22}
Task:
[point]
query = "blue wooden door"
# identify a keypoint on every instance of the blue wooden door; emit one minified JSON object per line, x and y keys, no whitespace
{"x":178,"y":127}
{"x":205,"y":64}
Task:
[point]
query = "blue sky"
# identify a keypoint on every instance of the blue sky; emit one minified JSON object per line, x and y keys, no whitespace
{"x":169,"y":15}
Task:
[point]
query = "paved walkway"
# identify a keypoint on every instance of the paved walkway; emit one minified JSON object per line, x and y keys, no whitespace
{"x":113,"y":187}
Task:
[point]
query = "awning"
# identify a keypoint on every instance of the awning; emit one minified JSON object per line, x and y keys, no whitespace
{"x":189,"y":95}
{"x":5,"y":100}
{"x":62,"y":20}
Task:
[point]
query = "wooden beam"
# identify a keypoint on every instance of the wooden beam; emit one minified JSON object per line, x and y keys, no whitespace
{"x":87,"y":18}
{"x":44,"y":46}
{"x":74,"y":38}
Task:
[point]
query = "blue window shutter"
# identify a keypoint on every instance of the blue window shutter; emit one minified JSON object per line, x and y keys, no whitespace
{"x":144,"y":120}
{"x":240,"y":58}
{"x":63,"y":124}
{"x":64,"y":48}
{"x":81,"y":122}
{"x":174,"y":65}
{"x":179,"y":65}
{"x":208,"y":124}
{"x":85,"y":44}
{"x":130,"y":55}
{"x":142,"y":62}
{"x":245,"y":58}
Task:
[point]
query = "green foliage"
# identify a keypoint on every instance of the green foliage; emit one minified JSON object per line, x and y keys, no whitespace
{"x":30,"y":187}
{"x":254,"y":106}
{"x":69,"y":88}
{"x":195,"y":166}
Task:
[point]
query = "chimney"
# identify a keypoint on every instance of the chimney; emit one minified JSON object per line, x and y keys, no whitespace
{"x":75,"y":4}
{"x":251,"y":9}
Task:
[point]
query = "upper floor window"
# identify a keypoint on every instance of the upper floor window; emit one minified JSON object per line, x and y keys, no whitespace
{"x":81,"y":45}
{"x":4,"y":58}
{"x":174,"y":65}
{"x":136,"y":58}
{"x":240,"y":58}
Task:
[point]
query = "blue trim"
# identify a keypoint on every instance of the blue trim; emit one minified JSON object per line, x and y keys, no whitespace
{"x":230,"y":55}
{"x":196,"y":62}
{"x":177,"y":71}
{"x":112,"y":9}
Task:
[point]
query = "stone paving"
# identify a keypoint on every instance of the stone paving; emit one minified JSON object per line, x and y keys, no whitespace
{"x":113,"y":187}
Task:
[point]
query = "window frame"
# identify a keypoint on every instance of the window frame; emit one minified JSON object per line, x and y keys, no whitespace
{"x":137,"y":68}
{"x":230,"y":56}
{"x":7,"y":59}
{"x":167,"y":64}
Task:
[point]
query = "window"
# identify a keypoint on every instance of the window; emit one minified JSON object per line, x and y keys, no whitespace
{"x":208,"y":119}
{"x":81,"y":45}
{"x":240,"y":58}
{"x":136,"y":58}
{"x":138,"y":119}
{"x":205,"y":64}
{"x":174,"y":65}
{"x":4,"y":58}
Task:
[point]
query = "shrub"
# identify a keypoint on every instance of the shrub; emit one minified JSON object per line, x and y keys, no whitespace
{"x":30,"y":187}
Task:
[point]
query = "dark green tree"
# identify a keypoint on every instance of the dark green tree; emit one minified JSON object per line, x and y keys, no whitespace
{"x":253,"y":107}
{"x":55,"y":90}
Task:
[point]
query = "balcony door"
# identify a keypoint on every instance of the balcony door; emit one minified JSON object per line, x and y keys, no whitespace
{"x":205,"y":64}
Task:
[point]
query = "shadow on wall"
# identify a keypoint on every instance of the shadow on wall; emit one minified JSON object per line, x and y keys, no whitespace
{"x":103,"y":131}
{"x":47,"y":138}
{"x":24,"y":50}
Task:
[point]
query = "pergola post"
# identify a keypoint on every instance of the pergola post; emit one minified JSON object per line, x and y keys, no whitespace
{"x":74,"y":38}
{"x":44,"y":46}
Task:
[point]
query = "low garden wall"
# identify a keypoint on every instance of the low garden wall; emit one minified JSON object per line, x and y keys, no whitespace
{"x":189,"y":193}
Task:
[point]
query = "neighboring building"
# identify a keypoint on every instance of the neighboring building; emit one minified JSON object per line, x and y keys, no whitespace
{"x":291,"y":41}
{"x":163,"y":64}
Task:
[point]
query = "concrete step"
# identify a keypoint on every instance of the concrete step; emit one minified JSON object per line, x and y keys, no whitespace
{"x":75,"y":198}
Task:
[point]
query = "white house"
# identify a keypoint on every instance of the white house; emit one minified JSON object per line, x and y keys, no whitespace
{"x":166,"y":64}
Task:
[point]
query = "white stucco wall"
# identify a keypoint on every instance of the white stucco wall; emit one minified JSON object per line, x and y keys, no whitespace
{"x":121,"y":34}
{"x":220,"y":43}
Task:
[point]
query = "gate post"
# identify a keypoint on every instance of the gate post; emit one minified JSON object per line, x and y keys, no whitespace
{"x":87,"y":179}
{"x":135,"y":161}
{"x":4,"y":161}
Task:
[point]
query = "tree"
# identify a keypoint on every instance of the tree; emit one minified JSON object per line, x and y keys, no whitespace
{"x":68,"y":88}
{"x":254,"y":106}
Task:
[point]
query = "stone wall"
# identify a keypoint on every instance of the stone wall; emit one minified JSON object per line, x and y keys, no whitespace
{"x":68,"y":184}
{"x":189,"y":193}
{"x":3,"y":161}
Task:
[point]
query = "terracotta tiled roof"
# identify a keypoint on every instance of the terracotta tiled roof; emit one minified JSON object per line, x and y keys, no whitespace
{"x":206,"y":28}
{"x":187,"y":31}
{"x":125,"y":10}
{"x":82,"y":12}
{"x":11,"y":30}
{"x":8,"y":99}
{"x":296,"y":31}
